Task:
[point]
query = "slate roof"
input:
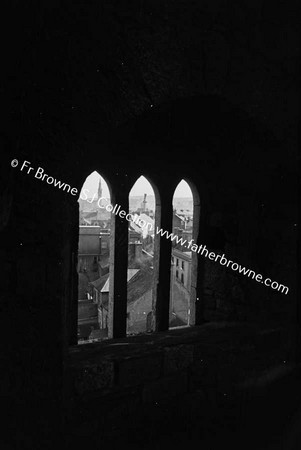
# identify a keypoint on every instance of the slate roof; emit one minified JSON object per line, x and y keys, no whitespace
{"x":140,"y":284}
{"x":130,"y":275}
{"x":100,"y":282}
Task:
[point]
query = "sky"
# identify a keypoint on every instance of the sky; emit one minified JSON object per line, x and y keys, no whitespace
{"x":142,"y":186}
{"x":92,"y":182}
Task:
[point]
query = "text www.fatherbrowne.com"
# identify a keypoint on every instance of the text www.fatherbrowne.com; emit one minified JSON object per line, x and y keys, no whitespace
{"x":223,"y":260}
{"x":191,"y":245}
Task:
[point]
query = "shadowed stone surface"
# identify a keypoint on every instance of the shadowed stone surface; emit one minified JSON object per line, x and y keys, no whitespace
{"x":94,"y":377}
{"x":177,"y":358}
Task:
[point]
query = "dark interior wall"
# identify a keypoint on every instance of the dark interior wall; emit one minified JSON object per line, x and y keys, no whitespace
{"x":203,"y":90}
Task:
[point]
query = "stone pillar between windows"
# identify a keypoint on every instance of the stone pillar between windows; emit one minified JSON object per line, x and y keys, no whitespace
{"x":198,"y":281}
{"x":194,"y":298}
{"x":118,"y":266}
{"x":163,"y":290}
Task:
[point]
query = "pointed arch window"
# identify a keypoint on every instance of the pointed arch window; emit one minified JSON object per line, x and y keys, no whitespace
{"x":123,"y":289}
{"x":142,"y":256}
{"x":93,"y":259}
{"x":185,"y":227}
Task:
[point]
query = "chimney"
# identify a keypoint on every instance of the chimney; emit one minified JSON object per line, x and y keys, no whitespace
{"x":138,"y":250}
{"x":135,"y":251}
{"x":144,"y":203}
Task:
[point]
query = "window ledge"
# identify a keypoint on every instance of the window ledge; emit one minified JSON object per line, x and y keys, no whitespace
{"x":165,"y":363}
{"x":209,"y":333}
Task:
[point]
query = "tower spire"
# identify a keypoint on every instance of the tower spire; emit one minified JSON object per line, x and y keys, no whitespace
{"x":99,"y":192}
{"x":99,"y":189}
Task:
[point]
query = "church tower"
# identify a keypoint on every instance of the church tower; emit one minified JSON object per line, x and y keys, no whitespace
{"x":99,"y":191}
{"x":143,"y":204}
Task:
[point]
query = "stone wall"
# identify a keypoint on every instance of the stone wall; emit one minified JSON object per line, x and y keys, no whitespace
{"x":121,"y":395}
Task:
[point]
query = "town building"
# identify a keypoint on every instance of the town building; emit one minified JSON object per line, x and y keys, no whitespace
{"x":180,"y":287}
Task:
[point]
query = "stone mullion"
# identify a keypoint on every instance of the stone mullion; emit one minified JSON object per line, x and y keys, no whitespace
{"x":163,"y":289}
{"x":118,"y":269}
{"x":199,"y":304}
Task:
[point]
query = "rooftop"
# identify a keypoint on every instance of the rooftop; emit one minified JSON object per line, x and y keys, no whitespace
{"x":180,"y":254}
{"x":139,"y":285}
{"x":130,"y":274}
{"x":100,"y":282}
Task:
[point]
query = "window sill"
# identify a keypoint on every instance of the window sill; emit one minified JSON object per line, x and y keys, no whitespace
{"x":157,"y":365}
{"x":144,"y":343}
